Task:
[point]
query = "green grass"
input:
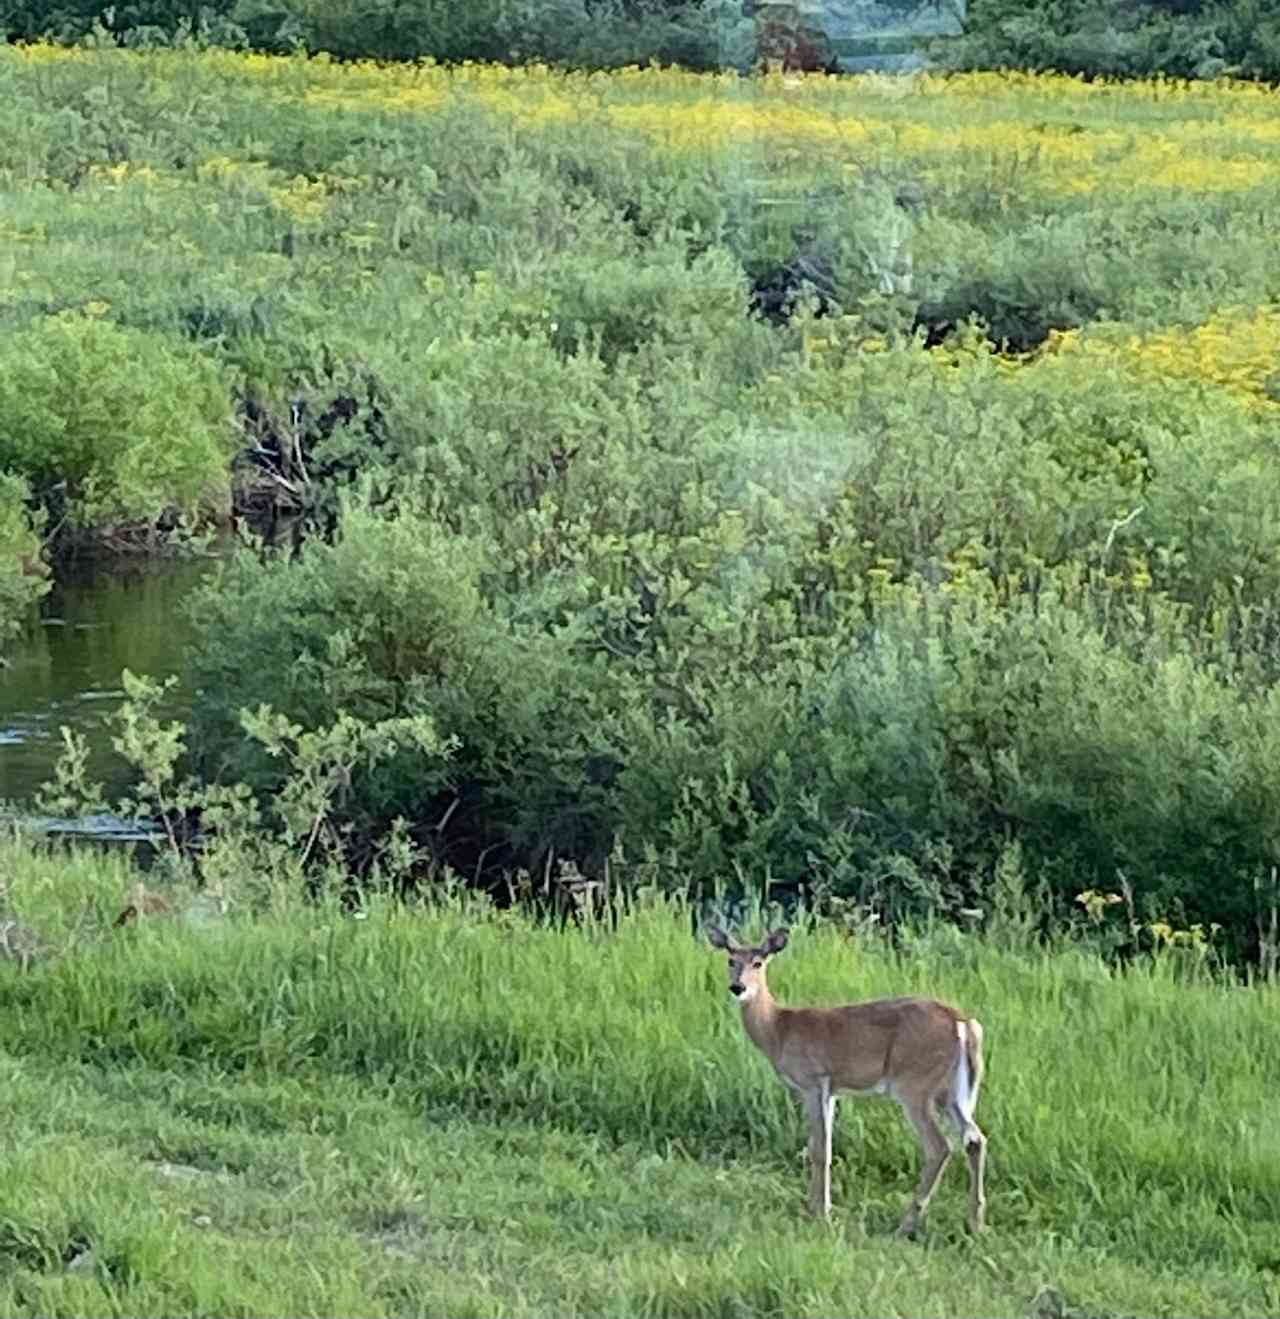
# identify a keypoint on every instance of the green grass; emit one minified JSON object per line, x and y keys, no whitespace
{"x":453,"y":1111}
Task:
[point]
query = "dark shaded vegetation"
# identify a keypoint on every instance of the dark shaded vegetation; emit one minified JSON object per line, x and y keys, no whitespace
{"x":1121,"y":38}
{"x":697,"y":34}
{"x":1095,"y":38}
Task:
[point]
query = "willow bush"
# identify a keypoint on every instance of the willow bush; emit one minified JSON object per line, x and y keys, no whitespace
{"x":113,"y":426}
{"x":23,"y":575}
{"x":911,"y":614}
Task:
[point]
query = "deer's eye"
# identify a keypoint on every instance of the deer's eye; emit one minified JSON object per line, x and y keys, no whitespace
{"x":758,"y":963}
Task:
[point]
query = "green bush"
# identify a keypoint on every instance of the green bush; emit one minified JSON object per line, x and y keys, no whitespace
{"x":388,"y":622}
{"x":113,"y":427}
{"x":767,"y":648}
{"x":22,"y":573}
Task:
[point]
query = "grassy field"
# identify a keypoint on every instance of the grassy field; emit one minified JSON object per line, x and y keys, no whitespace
{"x":456,"y":1111}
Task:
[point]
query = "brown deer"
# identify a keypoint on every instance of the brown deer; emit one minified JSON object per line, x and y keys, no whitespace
{"x":921,"y":1052}
{"x":143,"y":904}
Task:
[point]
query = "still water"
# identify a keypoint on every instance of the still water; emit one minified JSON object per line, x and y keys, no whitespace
{"x":65,"y":669}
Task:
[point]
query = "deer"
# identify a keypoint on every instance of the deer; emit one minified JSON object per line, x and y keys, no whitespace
{"x":924,"y":1053}
{"x":142,"y":904}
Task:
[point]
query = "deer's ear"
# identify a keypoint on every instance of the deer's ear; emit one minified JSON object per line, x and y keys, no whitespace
{"x":717,"y":938}
{"x":776,"y":942}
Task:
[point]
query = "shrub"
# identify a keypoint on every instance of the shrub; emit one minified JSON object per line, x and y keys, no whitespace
{"x":113,"y":426}
{"x":388,"y":622}
{"x":23,"y":577}
{"x":768,"y":648}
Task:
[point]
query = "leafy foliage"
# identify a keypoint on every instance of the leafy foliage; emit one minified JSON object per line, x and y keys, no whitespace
{"x":23,"y":575}
{"x":1117,"y":39}
{"x":768,"y":650}
{"x":700,"y":34}
{"x":112,"y":425}
{"x":837,"y":599}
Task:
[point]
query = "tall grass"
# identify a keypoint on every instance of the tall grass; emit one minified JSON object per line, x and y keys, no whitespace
{"x":1128,"y":1110}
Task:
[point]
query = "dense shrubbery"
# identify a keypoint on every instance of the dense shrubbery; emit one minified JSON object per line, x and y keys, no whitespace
{"x":1121,"y":39}
{"x":113,"y":427}
{"x":790,"y":598}
{"x":877,"y":652}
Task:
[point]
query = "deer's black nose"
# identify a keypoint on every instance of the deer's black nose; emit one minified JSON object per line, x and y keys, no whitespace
{"x":736,"y":989}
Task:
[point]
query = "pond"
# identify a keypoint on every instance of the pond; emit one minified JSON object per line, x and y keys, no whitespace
{"x":65,"y":668}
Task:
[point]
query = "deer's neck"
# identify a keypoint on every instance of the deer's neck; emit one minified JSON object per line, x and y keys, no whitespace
{"x":760,"y":1018}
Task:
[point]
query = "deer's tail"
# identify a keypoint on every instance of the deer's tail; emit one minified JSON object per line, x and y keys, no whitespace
{"x":968,"y":1073}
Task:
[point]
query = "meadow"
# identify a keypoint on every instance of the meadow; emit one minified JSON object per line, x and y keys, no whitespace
{"x":450,"y":1109}
{"x":853,"y":495}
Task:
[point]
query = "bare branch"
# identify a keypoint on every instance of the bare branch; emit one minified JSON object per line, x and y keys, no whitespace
{"x":1119,"y":525}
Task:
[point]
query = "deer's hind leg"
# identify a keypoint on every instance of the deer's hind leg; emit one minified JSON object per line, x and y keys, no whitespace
{"x":936,"y":1153}
{"x":960,"y":1101}
{"x":975,"y":1151}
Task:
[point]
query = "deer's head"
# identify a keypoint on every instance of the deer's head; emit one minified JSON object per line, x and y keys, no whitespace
{"x":747,"y":963}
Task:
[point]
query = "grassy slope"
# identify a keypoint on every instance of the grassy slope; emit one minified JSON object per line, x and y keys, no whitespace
{"x":454,"y":1112}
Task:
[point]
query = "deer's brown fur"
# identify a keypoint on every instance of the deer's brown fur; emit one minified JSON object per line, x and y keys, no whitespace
{"x":924,"y":1053}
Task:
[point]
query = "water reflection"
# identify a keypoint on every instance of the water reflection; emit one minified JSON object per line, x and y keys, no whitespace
{"x":65,"y":669}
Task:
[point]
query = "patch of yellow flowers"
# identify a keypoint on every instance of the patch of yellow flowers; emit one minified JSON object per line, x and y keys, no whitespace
{"x":1237,"y":350}
{"x":1027,"y":133}
{"x":302,"y":199}
{"x":1053,"y":134}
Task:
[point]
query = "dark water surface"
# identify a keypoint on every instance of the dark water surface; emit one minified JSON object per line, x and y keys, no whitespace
{"x":65,"y":669}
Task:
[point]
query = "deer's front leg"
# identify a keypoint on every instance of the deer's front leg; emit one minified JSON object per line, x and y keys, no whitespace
{"x":819,"y":1105}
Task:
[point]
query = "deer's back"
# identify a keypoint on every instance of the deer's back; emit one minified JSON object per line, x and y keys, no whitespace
{"x":869,"y":1046}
